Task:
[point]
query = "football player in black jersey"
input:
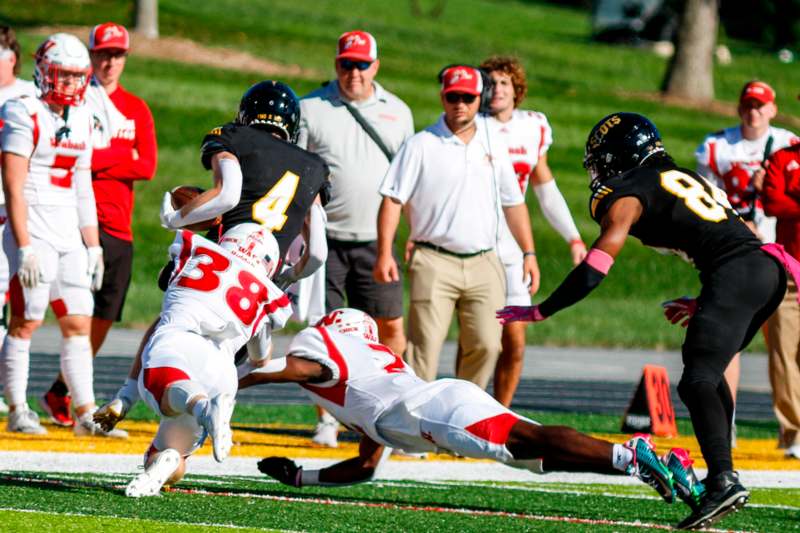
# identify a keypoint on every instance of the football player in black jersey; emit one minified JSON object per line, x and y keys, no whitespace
{"x":638,"y":190}
{"x":259,"y":176}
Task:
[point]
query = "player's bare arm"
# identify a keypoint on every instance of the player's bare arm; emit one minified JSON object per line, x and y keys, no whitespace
{"x":354,"y":470}
{"x":519,"y":223}
{"x":290,"y":369}
{"x":385,"y":270}
{"x":615,"y":227}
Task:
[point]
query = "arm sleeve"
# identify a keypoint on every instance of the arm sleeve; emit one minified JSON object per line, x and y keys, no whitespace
{"x":227,"y":198}
{"x":18,"y":126}
{"x":87,"y":208}
{"x":555,"y":210}
{"x":403,"y":174}
{"x":113,"y":163}
{"x":773,"y":194}
{"x":578,"y":284}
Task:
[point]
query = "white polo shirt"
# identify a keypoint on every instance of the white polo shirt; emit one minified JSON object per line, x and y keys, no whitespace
{"x":453,"y":192}
{"x":357,"y":164}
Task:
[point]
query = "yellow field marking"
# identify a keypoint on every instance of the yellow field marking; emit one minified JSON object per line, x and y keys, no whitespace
{"x":263,"y":440}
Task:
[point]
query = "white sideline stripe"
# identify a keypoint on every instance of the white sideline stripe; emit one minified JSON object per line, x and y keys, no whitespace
{"x":389,"y":470}
{"x":130,"y":519}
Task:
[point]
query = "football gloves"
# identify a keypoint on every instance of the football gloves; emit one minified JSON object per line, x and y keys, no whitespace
{"x":29,"y":271}
{"x":96,"y":267}
{"x":682,"y":308}
{"x":283,"y":469}
{"x":519,"y":313}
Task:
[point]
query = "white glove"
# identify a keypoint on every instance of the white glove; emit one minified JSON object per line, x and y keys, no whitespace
{"x":286,"y":277}
{"x":29,"y":271}
{"x":96,"y":266}
{"x":170,"y":218}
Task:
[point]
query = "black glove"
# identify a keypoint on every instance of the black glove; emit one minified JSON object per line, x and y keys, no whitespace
{"x":282,"y":469}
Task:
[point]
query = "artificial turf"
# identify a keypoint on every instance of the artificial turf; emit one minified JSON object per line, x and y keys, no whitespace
{"x":384,"y":506}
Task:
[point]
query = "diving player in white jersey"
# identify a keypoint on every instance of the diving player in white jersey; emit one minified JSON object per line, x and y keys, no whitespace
{"x":219,"y":299}
{"x":528,"y":136}
{"x":10,"y":87}
{"x":368,"y":388}
{"x":51,"y":237}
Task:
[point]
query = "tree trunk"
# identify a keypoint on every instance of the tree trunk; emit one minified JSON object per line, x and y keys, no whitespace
{"x":147,"y":18}
{"x":691,"y":71}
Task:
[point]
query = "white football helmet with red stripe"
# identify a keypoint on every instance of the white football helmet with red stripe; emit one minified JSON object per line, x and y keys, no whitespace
{"x":254,"y":244}
{"x":59,"y":55}
{"x":353,"y":322}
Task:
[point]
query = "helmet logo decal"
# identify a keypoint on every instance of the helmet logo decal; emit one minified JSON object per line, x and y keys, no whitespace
{"x":603,"y":129}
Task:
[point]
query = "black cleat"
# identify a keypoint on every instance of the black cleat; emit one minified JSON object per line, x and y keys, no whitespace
{"x":724,"y":494}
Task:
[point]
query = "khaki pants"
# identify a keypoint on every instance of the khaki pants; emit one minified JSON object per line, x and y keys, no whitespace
{"x":783,"y":330}
{"x":473,"y":286}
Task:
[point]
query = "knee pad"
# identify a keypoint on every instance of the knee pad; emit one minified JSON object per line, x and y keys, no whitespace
{"x":180,"y":393}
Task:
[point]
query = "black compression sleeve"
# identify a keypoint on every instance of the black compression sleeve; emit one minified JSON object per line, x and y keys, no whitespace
{"x":577,"y":285}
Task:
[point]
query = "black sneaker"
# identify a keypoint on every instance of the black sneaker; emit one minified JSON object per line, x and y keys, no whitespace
{"x":724,"y":494}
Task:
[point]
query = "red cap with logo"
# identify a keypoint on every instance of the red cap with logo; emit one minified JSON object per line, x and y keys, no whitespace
{"x":357,"y":45}
{"x":109,"y":35}
{"x":757,"y":90}
{"x":462,"y":79}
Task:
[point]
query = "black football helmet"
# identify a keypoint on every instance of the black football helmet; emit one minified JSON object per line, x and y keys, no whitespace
{"x":271,"y":105}
{"x":620,"y":142}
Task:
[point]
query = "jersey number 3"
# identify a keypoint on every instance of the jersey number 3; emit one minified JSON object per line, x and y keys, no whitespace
{"x":707,"y":202}
{"x":243,"y":299}
{"x":270,"y":209}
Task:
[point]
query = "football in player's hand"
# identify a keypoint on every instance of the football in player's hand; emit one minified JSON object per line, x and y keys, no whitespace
{"x":183,"y":195}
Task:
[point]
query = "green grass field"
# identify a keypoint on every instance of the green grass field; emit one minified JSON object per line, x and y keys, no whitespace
{"x":205,"y":503}
{"x":573,"y":80}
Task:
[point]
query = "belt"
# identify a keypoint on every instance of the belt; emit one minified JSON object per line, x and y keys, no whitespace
{"x":445,"y":251}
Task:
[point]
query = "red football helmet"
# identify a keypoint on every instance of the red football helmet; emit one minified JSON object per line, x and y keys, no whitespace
{"x":61,"y":56}
{"x":353,"y":322}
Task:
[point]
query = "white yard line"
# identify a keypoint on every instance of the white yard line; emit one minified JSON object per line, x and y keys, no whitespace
{"x":390,"y":470}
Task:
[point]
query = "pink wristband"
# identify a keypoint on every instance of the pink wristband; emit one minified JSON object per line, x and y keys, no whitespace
{"x":599,"y":260}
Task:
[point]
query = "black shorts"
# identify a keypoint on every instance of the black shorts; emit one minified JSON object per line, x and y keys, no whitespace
{"x":118,"y":260}
{"x":736,"y":299}
{"x":348,"y":274}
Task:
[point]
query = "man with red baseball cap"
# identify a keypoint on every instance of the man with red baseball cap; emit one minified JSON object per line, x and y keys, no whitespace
{"x":358,"y":159}
{"x":734,"y":159}
{"x":125,"y":151}
{"x":452,"y":180}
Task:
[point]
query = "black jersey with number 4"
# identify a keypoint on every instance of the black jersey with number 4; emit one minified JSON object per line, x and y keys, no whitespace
{"x":279,"y":179}
{"x":682,"y":213}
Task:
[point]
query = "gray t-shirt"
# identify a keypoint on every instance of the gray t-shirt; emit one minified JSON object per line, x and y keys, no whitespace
{"x":357,"y":164}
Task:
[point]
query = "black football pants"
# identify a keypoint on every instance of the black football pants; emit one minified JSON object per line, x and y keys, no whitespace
{"x":736,"y":299}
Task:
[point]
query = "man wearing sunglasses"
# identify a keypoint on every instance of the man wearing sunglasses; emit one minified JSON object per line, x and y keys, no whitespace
{"x":454,"y":181}
{"x":330,"y":128}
